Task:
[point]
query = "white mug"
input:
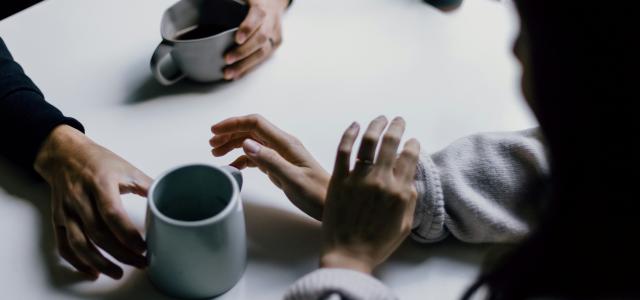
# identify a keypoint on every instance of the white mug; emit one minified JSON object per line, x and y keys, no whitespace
{"x":196,"y":239}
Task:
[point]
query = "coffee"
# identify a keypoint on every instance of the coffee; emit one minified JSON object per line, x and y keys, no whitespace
{"x":200,"y":31}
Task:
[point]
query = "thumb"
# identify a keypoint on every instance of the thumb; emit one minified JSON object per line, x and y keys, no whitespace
{"x":267,"y":160}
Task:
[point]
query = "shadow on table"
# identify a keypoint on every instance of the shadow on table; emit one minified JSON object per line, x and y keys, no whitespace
{"x":279,"y":236}
{"x":29,"y":188}
{"x":270,"y":234}
{"x":148,"y":89}
{"x":275,"y":236}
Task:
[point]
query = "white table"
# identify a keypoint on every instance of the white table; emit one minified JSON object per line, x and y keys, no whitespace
{"x":449,"y":75}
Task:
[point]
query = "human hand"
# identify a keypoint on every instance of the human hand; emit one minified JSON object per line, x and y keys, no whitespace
{"x":369,"y":210}
{"x":86,"y":181}
{"x":257,"y":37}
{"x":279,"y":155}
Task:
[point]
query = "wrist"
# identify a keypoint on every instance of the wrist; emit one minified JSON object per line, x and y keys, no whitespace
{"x":342,"y":260}
{"x":58,"y":144}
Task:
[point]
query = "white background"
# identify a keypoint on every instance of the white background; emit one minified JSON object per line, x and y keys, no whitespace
{"x":448,"y":75}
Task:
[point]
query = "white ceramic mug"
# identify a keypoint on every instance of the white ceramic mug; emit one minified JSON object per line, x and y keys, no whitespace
{"x":198,"y":57}
{"x":196,"y":237}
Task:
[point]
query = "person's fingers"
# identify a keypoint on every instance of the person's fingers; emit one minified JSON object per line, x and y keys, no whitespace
{"x":104,"y":239}
{"x":257,"y":40}
{"x":139,"y":184}
{"x":110,"y":208}
{"x":268,"y":160}
{"x":370,"y":138}
{"x":240,"y":68}
{"x":65,"y":251}
{"x":242,"y":162}
{"x":343,"y":157}
{"x":221,"y":139}
{"x":253,"y":21}
{"x":89,"y":254}
{"x":390,"y":142}
{"x":60,"y":235}
{"x":57,"y":206}
{"x":101,"y":235}
{"x":405,"y":166}
{"x":258,"y":127}
{"x":228,"y":147}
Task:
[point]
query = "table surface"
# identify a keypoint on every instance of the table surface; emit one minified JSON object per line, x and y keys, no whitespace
{"x":448,"y":75}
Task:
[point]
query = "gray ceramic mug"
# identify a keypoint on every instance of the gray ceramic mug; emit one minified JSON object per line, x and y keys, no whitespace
{"x":195,"y":36}
{"x":196,"y":240}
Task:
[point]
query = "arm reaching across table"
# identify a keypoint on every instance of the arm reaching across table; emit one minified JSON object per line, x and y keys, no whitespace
{"x":86,"y":179}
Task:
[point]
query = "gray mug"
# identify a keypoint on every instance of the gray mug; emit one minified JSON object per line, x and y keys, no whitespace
{"x":195,"y":36}
{"x":196,"y":239}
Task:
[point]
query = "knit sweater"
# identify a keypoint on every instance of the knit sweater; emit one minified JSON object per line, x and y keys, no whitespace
{"x":483,"y":188}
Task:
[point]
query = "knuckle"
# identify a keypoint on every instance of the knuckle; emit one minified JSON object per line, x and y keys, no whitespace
{"x":109,"y":211}
{"x":260,"y":11}
{"x":370,"y":138}
{"x":260,"y":53}
{"x":261,"y":37}
{"x":294,"y":141}
{"x":77,"y":243}
{"x":411,"y":154}
{"x":392,"y":138}
{"x":375,"y":184}
{"x":256,"y":120}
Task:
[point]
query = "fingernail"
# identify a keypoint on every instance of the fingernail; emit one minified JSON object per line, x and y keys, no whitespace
{"x":240,"y":37}
{"x":228,"y":74}
{"x":229,"y":59}
{"x":250,"y":147}
{"x":354,"y":125}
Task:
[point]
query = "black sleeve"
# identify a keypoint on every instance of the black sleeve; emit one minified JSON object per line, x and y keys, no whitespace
{"x":26,"y":119}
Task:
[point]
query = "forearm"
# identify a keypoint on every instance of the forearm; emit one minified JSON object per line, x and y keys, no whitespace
{"x":26,"y":119}
{"x":483,"y":188}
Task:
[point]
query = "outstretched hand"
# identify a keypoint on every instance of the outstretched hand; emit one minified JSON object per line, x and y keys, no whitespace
{"x":276,"y":153}
{"x":86,"y":181}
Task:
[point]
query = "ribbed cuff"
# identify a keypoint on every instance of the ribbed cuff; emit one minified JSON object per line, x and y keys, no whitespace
{"x":331,"y":283}
{"x":428,"y":218}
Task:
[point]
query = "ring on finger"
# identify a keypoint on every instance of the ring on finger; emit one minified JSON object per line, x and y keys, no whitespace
{"x":272,"y":43}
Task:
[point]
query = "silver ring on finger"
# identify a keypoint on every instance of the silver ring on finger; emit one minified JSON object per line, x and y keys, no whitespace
{"x":272,"y":43}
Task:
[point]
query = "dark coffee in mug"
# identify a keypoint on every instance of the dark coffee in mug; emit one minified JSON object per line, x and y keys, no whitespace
{"x":196,"y":34}
{"x":200,"y":31}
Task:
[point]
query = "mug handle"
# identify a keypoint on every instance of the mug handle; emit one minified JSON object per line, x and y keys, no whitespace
{"x":237,"y":175}
{"x":161,"y":61}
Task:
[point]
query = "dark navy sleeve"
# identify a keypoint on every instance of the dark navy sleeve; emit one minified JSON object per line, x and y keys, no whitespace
{"x":26,"y":118}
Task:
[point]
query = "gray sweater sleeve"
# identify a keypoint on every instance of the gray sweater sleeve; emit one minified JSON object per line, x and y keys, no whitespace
{"x":483,"y":188}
